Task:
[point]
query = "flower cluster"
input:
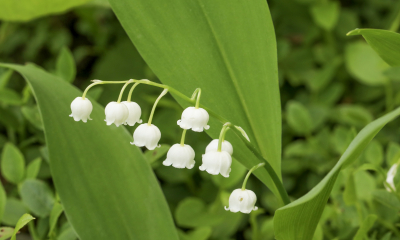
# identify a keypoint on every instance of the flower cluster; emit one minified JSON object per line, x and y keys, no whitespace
{"x":217,"y":158}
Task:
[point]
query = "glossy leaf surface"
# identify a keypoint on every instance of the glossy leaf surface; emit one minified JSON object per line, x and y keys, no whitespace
{"x":226,"y":48}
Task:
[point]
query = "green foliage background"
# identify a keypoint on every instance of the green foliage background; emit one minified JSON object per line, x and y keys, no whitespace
{"x":331,"y":86}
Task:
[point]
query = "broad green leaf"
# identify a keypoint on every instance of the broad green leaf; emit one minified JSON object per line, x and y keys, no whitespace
{"x":14,"y":209}
{"x":364,"y":64}
{"x":326,"y":14}
{"x":26,"y":10}
{"x":6,"y":233}
{"x":385,"y":43}
{"x":54,"y":215}
{"x":216,"y":46}
{"x":33,"y":168}
{"x":365,"y":227}
{"x":37,"y":196}
{"x":106,"y":186}
{"x":3,"y":199}
{"x":21,"y":223}
{"x":386,"y":198}
{"x":290,"y":221}
{"x":12,"y":164}
{"x":65,"y":65}
{"x":298,"y":117}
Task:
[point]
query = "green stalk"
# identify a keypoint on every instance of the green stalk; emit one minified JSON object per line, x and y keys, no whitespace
{"x":222,"y":134}
{"x":122,"y":91}
{"x":155,"y":105}
{"x":198,"y":98}
{"x":249,"y":173}
{"x":97,"y":82}
{"x":130,"y":91}
{"x":194,"y":93}
{"x":183,"y":137}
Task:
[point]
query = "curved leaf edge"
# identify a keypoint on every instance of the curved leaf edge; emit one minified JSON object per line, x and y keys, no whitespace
{"x":349,"y":156}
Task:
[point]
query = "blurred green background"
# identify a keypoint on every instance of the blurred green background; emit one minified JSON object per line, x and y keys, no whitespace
{"x":331,"y":86}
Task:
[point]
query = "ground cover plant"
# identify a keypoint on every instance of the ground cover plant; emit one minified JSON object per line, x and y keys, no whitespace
{"x":199,"y":120}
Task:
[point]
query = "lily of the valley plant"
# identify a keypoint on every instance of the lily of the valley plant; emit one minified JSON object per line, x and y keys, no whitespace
{"x":217,"y":158}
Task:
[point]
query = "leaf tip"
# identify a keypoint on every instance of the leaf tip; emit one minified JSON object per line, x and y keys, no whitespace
{"x":354,"y":32}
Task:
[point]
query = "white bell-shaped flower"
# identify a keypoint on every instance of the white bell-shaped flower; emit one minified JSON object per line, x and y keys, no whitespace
{"x":81,"y":109}
{"x":134,"y":113}
{"x":213,"y":146}
{"x":217,"y":163}
{"x":390,"y":177}
{"x":116,"y":113}
{"x":195,"y":119}
{"x":146,"y":135}
{"x":180,"y":156}
{"x":242,"y":201}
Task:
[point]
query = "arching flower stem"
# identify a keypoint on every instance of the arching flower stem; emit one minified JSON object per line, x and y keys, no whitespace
{"x":123,"y":89}
{"x":155,"y":105}
{"x":131,"y":90}
{"x":183,"y":137}
{"x":282,"y":192}
{"x":97,"y":82}
{"x":249,"y":173}
{"x":222,"y":134}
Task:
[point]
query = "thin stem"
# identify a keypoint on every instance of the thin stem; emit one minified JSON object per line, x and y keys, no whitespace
{"x":96,"y":82}
{"x":183,"y":137}
{"x":122,"y":90}
{"x":155,"y":105}
{"x":183,"y":97}
{"x":249,"y":173}
{"x":198,"y":98}
{"x":131,"y":90}
{"x":195,"y":93}
{"x":281,"y":189}
{"x":222,"y":135}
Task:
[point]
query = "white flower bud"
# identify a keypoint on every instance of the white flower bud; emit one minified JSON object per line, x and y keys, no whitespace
{"x":390,"y":177}
{"x":180,"y":156}
{"x":116,"y":113}
{"x":242,"y":200}
{"x":213,"y":146}
{"x":81,"y":109}
{"x":195,"y":119}
{"x":134,"y":113}
{"x":146,"y":135}
{"x":217,"y":163}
